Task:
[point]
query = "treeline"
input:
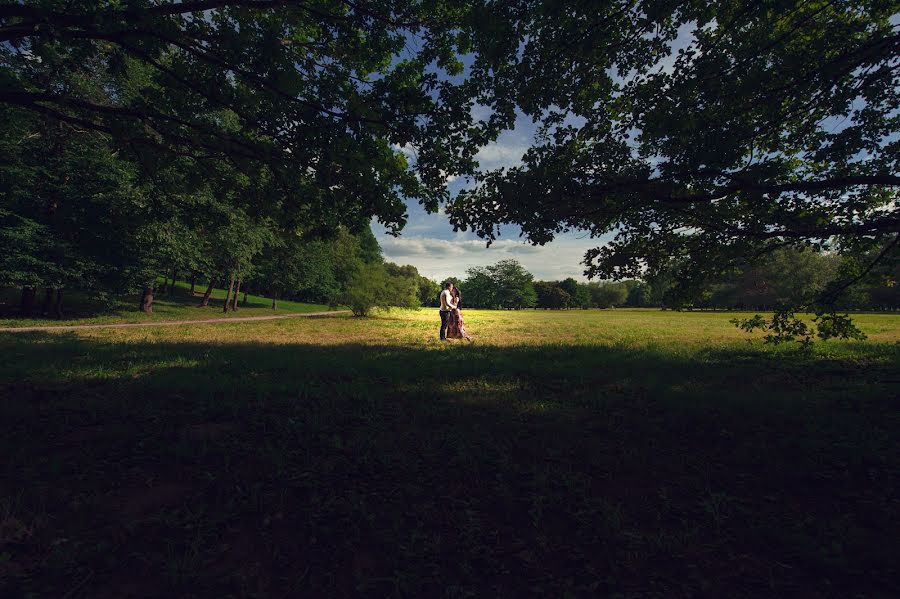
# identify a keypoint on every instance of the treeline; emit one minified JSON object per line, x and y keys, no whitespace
{"x":788,"y":276}
{"x":507,"y":285}
{"x":75,"y":214}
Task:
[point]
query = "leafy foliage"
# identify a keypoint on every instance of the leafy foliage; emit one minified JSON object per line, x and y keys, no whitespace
{"x":505,"y":284}
{"x":771,"y":126}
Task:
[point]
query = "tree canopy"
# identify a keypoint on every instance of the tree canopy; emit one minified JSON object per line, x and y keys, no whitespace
{"x":214,"y":136}
{"x":320,"y":95}
{"x":772,"y":124}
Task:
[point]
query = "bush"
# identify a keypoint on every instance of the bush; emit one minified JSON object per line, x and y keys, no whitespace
{"x":372,"y":287}
{"x":365,"y":290}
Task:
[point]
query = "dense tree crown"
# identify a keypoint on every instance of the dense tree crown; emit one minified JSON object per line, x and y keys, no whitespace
{"x":214,"y":137}
{"x":223,"y":137}
{"x":775,"y":124}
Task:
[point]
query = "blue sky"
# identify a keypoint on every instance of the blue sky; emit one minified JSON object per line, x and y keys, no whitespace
{"x":429,"y":243}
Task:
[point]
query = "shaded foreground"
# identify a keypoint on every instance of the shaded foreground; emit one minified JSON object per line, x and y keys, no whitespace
{"x":339,"y":457}
{"x":178,"y":304}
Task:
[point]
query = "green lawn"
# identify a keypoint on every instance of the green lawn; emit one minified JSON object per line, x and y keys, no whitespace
{"x":82,"y":308}
{"x":639,"y":452}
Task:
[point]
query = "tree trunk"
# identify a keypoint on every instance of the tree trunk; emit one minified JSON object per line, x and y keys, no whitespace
{"x":165,"y":284}
{"x":147,"y":300}
{"x":174,"y":276}
{"x":193,"y":282}
{"x":244,"y":303}
{"x":29,"y":294}
{"x":48,"y":300}
{"x":58,"y":307}
{"x":274,"y":304}
{"x":228,"y":294}
{"x":234,"y":301}
{"x":208,"y":293}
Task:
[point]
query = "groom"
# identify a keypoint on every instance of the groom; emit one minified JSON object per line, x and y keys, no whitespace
{"x":446,"y":307}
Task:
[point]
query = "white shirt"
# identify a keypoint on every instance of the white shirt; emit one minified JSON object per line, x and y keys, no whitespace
{"x":446,"y":300}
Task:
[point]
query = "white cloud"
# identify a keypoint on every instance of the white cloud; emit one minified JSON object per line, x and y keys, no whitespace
{"x":440,"y":258}
{"x":407,"y":150}
{"x":448,"y":178}
{"x":500,"y":154}
{"x":480,"y":112}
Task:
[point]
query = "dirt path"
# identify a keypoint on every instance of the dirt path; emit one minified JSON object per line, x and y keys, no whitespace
{"x":167,"y":323}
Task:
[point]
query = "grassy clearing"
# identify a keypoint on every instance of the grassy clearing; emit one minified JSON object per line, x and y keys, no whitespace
{"x":178,"y":305}
{"x":641,"y":452}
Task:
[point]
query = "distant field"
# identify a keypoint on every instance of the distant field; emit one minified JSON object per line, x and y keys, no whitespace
{"x":81,"y":308}
{"x":640,"y":452}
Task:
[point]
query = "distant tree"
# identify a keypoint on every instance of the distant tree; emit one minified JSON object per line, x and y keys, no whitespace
{"x":513,"y":285}
{"x":582,"y":298}
{"x":639,"y":296}
{"x":401,"y":292}
{"x":429,"y":292}
{"x":542,"y":290}
{"x":479,"y":288}
{"x":608,"y":295}
{"x":569,"y":285}
{"x":369,"y":250}
{"x":559,"y":298}
{"x":297,"y":268}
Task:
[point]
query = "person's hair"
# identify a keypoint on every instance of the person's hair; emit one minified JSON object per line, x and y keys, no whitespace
{"x":456,"y":292}
{"x":447,"y":284}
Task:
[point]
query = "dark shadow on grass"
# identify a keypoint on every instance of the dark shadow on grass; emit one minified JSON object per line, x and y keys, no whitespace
{"x":173,"y":469}
{"x":80,"y":305}
{"x":84,"y":306}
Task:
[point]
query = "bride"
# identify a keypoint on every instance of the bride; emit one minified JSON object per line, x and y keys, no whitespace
{"x":456,"y":328}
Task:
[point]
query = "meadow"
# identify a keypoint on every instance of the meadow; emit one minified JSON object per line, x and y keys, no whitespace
{"x":642,"y":453}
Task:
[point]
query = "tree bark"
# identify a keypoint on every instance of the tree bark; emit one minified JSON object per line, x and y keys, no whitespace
{"x":48,"y":300}
{"x":193,"y":282}
{"x":228,"y":294}
{"x":244,"y":303}
{"x":274,"y":304}
{"x":208,"y":293}
{"x":58,"y":306}
{"x":174,"y":276}
{"x":29,"y":294}
{"x":165,"y":284}
{"x":147,"y":300}
{"x":234,"y":300}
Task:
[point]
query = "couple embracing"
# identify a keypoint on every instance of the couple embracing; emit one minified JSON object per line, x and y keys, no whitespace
{"x":452,"y":326}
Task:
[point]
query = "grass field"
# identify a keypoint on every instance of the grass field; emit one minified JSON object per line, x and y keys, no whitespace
{"x":644,"y":453}
{"x":81,"y":308}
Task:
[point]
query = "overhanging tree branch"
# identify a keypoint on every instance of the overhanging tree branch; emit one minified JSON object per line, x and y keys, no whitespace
{"x":665,"y":190}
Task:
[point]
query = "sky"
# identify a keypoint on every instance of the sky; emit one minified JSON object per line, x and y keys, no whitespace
{"x":429,"y":243}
